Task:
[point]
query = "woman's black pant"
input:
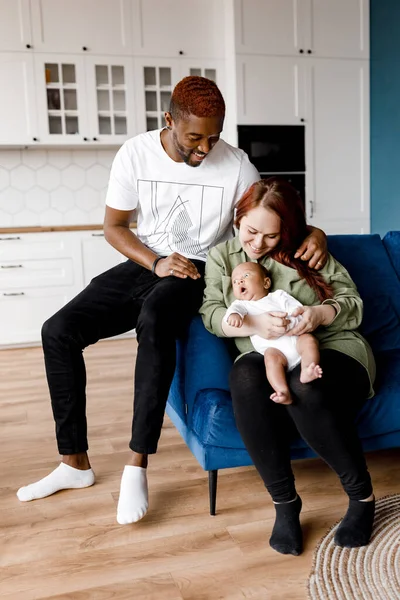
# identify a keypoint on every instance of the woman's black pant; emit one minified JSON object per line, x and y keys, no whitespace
{"x":323,"y":413}
{"x":125,"y":297}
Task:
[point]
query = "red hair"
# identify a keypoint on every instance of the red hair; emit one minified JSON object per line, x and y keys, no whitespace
{"x":196,"y":96}
{"x":282,"y":198}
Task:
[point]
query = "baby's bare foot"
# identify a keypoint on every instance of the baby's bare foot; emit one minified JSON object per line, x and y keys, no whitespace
{"x":283,"y":397}
{"x":311,"y":372}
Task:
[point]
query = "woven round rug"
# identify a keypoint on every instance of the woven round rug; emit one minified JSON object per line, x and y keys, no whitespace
{"x":368,"y":573}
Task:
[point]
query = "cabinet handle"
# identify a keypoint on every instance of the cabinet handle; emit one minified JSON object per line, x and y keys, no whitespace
{"x":301,"y":50}
{"x":28,"y":45}
{"x":181,"y":52}
{"x":95,"y":140}
{"x":35,"y":139}
{"x":309,"y":51}
{"x":84,"y":48}
{"x":9,"y":238}
{"x":302,"y":120}
{"x":14,"y":294}
{"x":85,"y":139}
{"x":98,"y":234}
{"x":11,"y":267}
{"x":311,"y":208}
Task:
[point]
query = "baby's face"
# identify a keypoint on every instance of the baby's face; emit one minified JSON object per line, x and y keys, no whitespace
{"x":249,"y":283}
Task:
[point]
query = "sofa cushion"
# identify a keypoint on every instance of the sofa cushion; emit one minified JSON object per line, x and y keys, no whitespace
{"x":381,"y":414}
{"x":368,"y":263}
{"x":391,"y":241}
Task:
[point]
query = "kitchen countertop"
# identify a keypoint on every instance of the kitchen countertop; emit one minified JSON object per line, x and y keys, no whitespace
{"x":53,"y":228}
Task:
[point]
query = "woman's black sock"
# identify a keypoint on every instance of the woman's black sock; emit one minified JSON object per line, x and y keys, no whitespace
{"x":287,"y":537}
{"x":356,"y":527}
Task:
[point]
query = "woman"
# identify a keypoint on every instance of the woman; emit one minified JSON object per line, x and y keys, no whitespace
{"x":271,"y":223}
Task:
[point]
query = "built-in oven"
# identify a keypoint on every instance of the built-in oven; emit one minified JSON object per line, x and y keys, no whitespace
{"x":276,"y":150}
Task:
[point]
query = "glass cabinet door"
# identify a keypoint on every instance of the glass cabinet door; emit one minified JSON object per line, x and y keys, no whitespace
{"x":155,"y":80}
{"x":110,"y":98}
{"x":61,"y":102}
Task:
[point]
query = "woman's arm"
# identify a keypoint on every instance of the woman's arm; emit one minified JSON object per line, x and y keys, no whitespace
{"x":213,"y":309}
{"x":342,"y":312}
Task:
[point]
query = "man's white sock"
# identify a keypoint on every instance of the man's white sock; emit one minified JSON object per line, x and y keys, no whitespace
{"x":133,"y":496}
{"x":62,"y":478}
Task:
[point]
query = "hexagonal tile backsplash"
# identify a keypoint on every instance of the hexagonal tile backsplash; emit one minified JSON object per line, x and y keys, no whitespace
{"x":53,"y":187}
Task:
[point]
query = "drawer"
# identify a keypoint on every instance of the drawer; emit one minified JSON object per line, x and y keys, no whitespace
{"x":37,"y":246}
{"x":25,"y":274}
{"x":23,"y":314}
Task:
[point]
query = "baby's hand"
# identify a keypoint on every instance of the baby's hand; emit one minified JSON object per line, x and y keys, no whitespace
{"x":235,"y":320}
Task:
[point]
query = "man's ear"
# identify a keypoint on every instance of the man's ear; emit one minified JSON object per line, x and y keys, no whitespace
{"x":267,"y":283}
{"x":168,"y":120}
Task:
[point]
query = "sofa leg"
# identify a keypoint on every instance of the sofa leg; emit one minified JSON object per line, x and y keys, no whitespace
{"x":212,"y":488}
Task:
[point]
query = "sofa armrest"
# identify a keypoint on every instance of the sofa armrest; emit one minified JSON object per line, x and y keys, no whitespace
{"x":207,"y":362}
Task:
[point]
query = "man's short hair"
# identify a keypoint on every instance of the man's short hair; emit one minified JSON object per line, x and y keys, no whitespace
{"x":196,"y":96}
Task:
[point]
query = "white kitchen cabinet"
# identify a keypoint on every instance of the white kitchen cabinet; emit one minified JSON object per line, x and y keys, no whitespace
{"x":88,"y":26}
{"x":155,"y":80}
{"x":339,"y":28}
{"x":84,"y":99}
{"x":17,"y":100}
{"x":337,"y":144}
{"x":22,"y":313}
{"x":39,"y":273}
{"x":270,"y":90}
{"x":324,"y":28}
{"x":173,"y":28}
{"x":15,"y":25}
{"x":61,"y":98}
{"x":97,"y":256}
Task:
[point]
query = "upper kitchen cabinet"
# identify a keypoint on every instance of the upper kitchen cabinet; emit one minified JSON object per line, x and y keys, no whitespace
{"x":339,"y":28}
{"x":173,"y":28}
{"x":17,"y":100}
{"x":271,"y":90}
{"x":84,"y":99}
{"x":111,"y":106}
{"x":76,"y":26}
{"x":156,"y":78}
{"x":61,"y":99}
{"x":324,"y":28}
{"x":273,"y":27}
{"x":15,"y":25}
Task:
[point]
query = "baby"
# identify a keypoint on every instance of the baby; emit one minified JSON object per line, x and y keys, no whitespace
{"x":251,"y":283}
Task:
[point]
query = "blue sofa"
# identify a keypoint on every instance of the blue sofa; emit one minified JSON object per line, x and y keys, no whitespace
{"x":199,"y":402}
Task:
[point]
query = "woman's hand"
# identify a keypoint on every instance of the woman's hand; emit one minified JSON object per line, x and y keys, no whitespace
{"x":271,"y":325}
{"x":314,"y":249}
{"x":312,"y":318}
{"x":176,"y":265}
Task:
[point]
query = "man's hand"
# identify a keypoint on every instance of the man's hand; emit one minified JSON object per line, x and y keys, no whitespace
{"x":235,"y":320}
{"x":314,"y":249}
{"x":176,"y":265}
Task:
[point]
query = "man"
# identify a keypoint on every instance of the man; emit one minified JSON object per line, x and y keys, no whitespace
{"x":183,"y":182}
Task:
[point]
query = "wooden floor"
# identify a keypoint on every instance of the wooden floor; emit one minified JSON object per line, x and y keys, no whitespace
{"x":70,"y":545}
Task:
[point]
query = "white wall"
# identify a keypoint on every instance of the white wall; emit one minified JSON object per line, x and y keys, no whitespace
{"x":53,"y":187}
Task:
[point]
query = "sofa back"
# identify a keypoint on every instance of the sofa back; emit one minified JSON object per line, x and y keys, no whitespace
{"x":369,"y":264}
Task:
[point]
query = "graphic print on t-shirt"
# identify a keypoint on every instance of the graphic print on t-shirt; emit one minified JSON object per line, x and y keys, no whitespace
{"x":185,"y":218}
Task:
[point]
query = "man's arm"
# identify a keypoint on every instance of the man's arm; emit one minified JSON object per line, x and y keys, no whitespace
{"x":314,"y":249}
{"x":119,"y":235}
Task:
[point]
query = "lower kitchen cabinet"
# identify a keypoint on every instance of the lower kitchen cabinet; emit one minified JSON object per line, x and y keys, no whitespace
{"x":41,"y":272}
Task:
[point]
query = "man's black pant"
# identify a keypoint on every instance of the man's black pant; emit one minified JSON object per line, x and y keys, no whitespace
{"x":125,"y":297}
{"x":323,"y":413}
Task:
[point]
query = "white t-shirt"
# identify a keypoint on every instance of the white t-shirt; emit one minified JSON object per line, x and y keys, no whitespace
{"x":179,"y":208}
